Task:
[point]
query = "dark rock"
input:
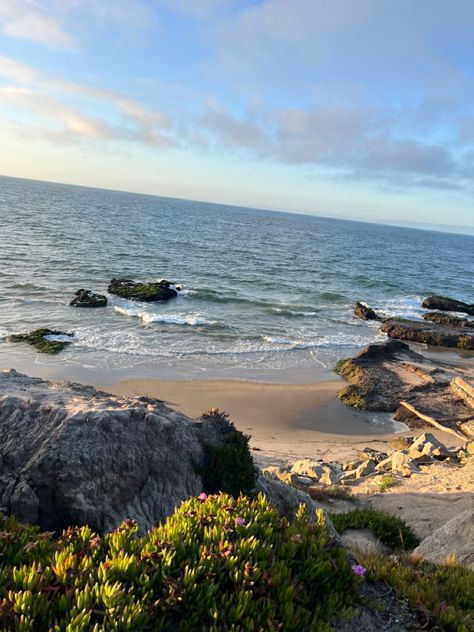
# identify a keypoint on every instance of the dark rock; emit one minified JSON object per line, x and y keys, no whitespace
{"x":446,"y":319}
{"x":364,"y":312}
{"x":73,"y":455}
{"x":38,"y":339}
{"x":447,"y":305}
{"x":155,"y":291}
{"x":428,"y":333}
{"x":86,"y":298}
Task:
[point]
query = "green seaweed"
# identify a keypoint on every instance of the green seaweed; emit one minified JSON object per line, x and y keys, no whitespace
{"x":38,"y":340}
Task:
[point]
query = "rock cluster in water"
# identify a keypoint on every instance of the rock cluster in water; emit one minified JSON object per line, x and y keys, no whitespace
{"x":41,"y":339}
{"x":86,"y":298}
{"x":137,"y":291}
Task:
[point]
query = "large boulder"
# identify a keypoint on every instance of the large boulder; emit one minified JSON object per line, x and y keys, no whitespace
{"x":86,"y":298}
{"x":155,"y":291}
{"x":428,"y":333}
{"x":455,"y":538}
{"x":448,"y":319}
{"x":447,"y":305}
{"x":364,"y":312}
{"x":71,"y":455}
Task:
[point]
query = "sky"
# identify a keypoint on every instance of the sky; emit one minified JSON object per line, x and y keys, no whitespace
{"x":351,"y":108}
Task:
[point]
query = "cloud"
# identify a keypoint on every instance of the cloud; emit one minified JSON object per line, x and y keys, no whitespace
{"x":54,"y":23}
{"x":69,"y":112}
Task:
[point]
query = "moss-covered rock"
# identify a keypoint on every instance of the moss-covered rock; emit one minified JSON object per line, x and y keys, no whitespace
{"x":147,"y":292}
{"x":39,"y":340}
{"x":86,"y":298}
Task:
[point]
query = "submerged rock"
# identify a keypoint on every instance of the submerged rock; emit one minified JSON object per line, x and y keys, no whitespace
{"x":447,"y":305}
{"x":446,"y":319}
{"x":137,"y":291}
{"x":72,"y":455}
{"x":365,"y":312}
{"x":39,"y":339}
{"x":428,"y":333}
{"x":86,"y":298}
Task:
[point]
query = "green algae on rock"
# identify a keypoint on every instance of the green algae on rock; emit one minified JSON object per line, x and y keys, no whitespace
{"x":38,"y":339}
{"x":138,"y":291}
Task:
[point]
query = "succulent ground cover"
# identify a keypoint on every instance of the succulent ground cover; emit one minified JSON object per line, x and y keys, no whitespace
{"x":217,"y":563}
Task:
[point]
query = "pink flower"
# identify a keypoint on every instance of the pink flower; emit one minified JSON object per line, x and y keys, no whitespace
{"x":202,"y":497}
{"x":359,"y":570}
{"x":240,"y":522}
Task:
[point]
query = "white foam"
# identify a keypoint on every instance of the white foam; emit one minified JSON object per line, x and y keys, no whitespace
{"x":193,"y":320}
{"x":403,"y":307}
{"x":59,"y":338}
{"x":278,"y":340}
{"x":291,"y":312}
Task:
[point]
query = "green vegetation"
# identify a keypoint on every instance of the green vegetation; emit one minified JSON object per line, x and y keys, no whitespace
{"x":388,"y":481}
{"x":351,"y":396}
{"x":38,"y":340}
{"x":391,"y":531}
{"x":217,"y":563}
{"x":443,"y":595}
{"x":229,"y":467}
{"x":345,"y":367}
{"x":155,"y":291}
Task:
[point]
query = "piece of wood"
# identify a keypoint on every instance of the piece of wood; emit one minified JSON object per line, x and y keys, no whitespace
{"x":433,"y":422}
{"x":463,"y":389}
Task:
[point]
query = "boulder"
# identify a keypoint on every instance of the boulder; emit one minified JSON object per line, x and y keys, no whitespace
{"x":447,"y":319}
{"x":455,"y":538}
{"x":72,"y":455}
{"x":428,"y":333}
{"x":308,"y":467}
{"x":86,"y":298}
{"x":427,"y":445}
{"x":447,"y":305}
{"x":467,"y":428}
{"x":363,"y":540}
{"x":368,"y":454}
{"x":329,"y":477}
{"x":365,"y":469}
{"x":137,"y":291}
{"x":385,"y":465}
{"x":403,"y":464}
{"x":365,"y":312}
{"x":273,"y":472}
{"x":400,"y":443}
{"x":353,"y":465}
{"x":44,"y":340}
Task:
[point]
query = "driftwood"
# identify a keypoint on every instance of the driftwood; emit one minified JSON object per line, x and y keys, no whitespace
{"x":433,"y":422}
{"x":463,"y":390}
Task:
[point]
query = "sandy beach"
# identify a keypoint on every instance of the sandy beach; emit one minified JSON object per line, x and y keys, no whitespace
{"x":285,"y":421}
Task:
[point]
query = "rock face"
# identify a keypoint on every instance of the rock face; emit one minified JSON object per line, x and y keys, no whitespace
{"x":447,"y":305}
{"x":365,"y":312}
{"x":86,"y":298}
{"x":456,"y":538}
{"x":70,"y":455}
{"x":446,"y":319}
{"x":148,"y":292}
{"x":427,"y":333}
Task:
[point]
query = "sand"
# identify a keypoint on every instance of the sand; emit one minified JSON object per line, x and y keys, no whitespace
{"x":285,"y":421}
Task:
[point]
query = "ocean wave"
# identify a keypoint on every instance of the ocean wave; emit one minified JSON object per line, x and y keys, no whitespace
{"x":402,"y":307}
{"x":291,"y":313}
{"x":192,"y":319}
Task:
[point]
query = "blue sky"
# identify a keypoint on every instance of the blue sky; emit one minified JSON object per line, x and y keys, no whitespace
{"x":349,"y":108}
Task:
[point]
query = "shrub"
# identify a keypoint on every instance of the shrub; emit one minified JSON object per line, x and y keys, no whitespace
{"x":217,"y":563}
{"x":229,"y":467}
{"x":390,"y":530}
{"x":443,"y":595}
{"x":388,"y":481}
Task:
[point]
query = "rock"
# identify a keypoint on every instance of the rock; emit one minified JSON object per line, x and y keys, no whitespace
{"x":288,"y":499}
{"x":365,"y":468}
{"x":468,"y":428}
{"x":403,"y":464}
{"x":73,"y":455}
{"x":365,"y":312}
{"x":455,"y":538}
{"x":349,"y":467}
{"x":368,"y":454}
{"x":427,"y":445}
{"x":86,"y":298}
{"x":304,"y":480}
{"x":400,"y":443}
{"x":363,"y":540}
{"x":428,"y":333}
{"x":155,"y":291}
{"x":447,"y":305}
{"x":308,"y":467}
{"x":469,"y":448}
{"x":273,"y":473}
{"x":348,"y":477}
{"x":446,"y":319}
{"x":385,"y":465}
{"x":44,"y":340}
{"x":329,"y":477}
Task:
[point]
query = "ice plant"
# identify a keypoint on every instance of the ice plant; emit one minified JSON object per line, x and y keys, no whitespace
{"x":202,"y":496}
{"x":240,"y":522}
{"x":359,"y":570}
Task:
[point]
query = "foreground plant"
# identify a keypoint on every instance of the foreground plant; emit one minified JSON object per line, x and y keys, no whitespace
{"x":217,"y":563}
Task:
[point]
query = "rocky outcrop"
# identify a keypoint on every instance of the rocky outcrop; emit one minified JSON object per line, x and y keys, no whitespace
{"x":448,"y":320}
{"x":137,"y":291}
{"x":447,"y":305}
{"x":364,"y":312}
{"x":427,"y":333}
{"x":86,"y":298}
{"x":455,"y":538}
{"x":44,"y":340}
{"x":71,"y":455}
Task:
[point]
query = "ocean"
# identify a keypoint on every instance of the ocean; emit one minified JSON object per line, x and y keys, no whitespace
{"x":266,"y":295}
